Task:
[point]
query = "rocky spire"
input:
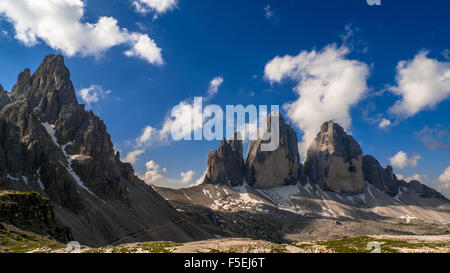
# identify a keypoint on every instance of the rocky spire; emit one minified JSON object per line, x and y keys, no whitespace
{"x":225,"y":166}
{"x":51,"y":145}
{"x":334,"y":160}
{"x":274,"y":168}
{"x":48,"y":90}
{"x":382,"y":178}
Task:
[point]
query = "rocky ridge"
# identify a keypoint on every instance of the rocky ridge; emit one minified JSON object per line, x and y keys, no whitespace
{"x":51,"y":145}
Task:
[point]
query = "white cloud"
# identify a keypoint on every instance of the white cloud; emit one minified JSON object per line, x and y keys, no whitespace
{"x":157,"y":6}
{"x":145,"y":48}
{"x":444,"y":178}
{"x":155,"y":175}
{"x":384,"y":123}
{"x":328,"y":85}
{"x":146,"y":135}
{"x":58,"y":24}
{"x":132,"y":156}
{"x":446,"y":54}
{"x":402,"y":160}
{"x":214,"y":85}
{"x":417,"y":177}
{"x":182,"y":116}
{"x":93,"y":94}
{"x":422,"y":83}
{"x":154,"y":172}
{"x":200,"y":179}
{"x":186,"y":177}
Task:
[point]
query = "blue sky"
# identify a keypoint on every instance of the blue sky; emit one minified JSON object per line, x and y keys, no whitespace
{"x":235,"y":40}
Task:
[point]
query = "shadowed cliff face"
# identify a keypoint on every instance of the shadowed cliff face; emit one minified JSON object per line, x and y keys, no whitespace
{"x":29,"y":211}
{"x":225,"y":166}
{"x":51,"y":145}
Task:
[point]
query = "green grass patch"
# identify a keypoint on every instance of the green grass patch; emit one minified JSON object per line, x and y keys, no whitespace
{"x":157,"y":247}
{"x":359,"y":245}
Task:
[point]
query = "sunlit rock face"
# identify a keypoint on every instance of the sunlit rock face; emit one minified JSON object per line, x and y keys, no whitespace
{"x":280,"y":167}
{"x":334,"y":160}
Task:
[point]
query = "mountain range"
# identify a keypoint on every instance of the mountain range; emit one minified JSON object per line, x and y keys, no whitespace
{"x":52,"y":146}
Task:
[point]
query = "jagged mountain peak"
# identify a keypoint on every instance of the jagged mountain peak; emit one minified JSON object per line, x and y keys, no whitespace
{"x":274,"y":168}
{"x":51,"y":145}
{"x":333,"y":139}
{"x":334,"y":160}
{"x":48,"y":90}
{"x":225,"y":165}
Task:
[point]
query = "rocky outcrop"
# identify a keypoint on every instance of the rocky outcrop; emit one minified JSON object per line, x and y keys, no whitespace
{"x":424,"y":191}
{"x":50,"y":144}
{"x":334,"y":160}
{"x":385,"y":180}
{"x":280,"y":167}
{"x":29,"y":211}
{"x":225,"y":166}
{"x":382,"y":178}
{"x":5,"y":97}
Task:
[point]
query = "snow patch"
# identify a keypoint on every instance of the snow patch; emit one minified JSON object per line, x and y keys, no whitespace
{"x":76,"y":177}
{"x":40,"y":184}
{"x":38,"y":174}
{"x":51,"y":132}
{"x":281,"y":195}
{"x":207,"y":193}
{"x":12,"y":178}
{"x":185,"y":195}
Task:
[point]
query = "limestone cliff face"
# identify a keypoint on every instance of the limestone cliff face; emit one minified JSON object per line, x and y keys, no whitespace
{"x":334,"y":160}
{"x":385,"y":180}
{"x":280,"y":167}
{"x":50,"y":144}
{"x":29,"y":211}
{"x":225,"y":166}
{"x":382,"y":178}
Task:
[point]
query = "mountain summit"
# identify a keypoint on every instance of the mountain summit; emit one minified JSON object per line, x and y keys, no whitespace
{"x":51,"y":145}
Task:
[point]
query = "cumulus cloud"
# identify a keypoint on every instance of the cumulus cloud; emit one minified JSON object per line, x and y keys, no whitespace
{"x":200,"y":180}
{"x":157,"y":6}
{"x":132,"y":156}
{"x":214,"y":85}
{"x":183,"y":115}
{"x":444,"y":178}
{"x":155,"y":175}
{"x":328,"y":85}
{"x":58,"y":24}
{"x":401,"y":160}
{"x":417,"y":177}
{"x":446,"y":54}
{"x":421,"y":83}
{"x":384,"y":123}
{"x":93,"y":94}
